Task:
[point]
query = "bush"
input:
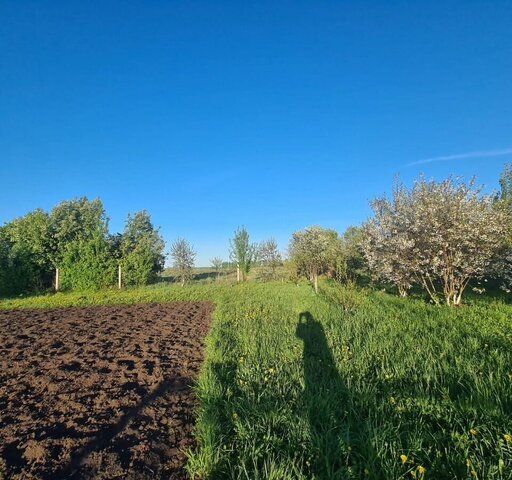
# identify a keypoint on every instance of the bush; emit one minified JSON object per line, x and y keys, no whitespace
{"x":88,"y":265}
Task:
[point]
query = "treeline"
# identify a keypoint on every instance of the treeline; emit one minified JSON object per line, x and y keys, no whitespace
{"x":435,"y":236}
{"x":74,"y":238}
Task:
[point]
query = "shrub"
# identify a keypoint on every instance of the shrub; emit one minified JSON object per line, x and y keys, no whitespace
{"x":88,"y":264}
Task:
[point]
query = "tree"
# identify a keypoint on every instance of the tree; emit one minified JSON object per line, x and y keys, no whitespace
{"x":74,"y":221}
{"x":501,"y":266}
{"x":242,"y":252}
{"x":310,"y":251}
{"x":506,"y":186}
{"x":270,"y":258}
{"x":217,"y":264}
{"x":388,"y":241}
{"x":440,"y":235}
{"x":336,"y":264}
{"x":142,"y":250}
{"x":183,"y":256}
{"x":356,"y":265}
{"x":30,"y":243}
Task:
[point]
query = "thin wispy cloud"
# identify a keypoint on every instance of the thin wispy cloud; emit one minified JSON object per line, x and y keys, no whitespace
{"x":461,"y":156}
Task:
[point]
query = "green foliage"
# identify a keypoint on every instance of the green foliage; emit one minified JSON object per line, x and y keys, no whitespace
{"x":506,"y":186}
{"x":138,"y":264}
{"x":4,"y":264}
{"x":75,"y":221}
{"x":315,"y":251}
{"x":27,"y":253}
{"x":242,"y":252}
{"x":88,"y":264}
{"x":18,"y":273}
{"x":142,"y":250}
{"x":356,"y":266}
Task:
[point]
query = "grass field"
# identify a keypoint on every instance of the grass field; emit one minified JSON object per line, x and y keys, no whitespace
{"x":346,"y":384}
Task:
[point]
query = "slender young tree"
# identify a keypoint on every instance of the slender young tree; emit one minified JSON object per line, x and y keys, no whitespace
{"x":269,"y":258}
{"x":183,"y":256}
{"x":242,"y":252}
{"x":217,"y":264}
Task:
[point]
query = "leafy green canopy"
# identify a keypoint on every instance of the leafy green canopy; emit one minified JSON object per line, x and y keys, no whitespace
{"x":74,"y":238}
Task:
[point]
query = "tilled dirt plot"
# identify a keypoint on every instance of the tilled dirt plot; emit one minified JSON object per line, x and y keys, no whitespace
{"x":101,"y":392}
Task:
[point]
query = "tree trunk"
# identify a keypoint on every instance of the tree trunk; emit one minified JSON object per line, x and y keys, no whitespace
{"x":315,"y":278}
{"x":402,"y":291}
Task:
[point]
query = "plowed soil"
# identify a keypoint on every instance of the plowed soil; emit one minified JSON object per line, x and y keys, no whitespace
{"x":101,"y":392}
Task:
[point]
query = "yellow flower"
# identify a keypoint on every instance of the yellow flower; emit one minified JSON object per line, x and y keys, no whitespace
{"x":421,"y":470}
{"x":508,"y":438}
{"x":404,"y":458}
{"x":473,"y":431}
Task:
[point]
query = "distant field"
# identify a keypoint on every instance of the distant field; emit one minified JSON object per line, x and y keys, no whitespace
{"x":346,"y":384}
{"x":226,"y":275}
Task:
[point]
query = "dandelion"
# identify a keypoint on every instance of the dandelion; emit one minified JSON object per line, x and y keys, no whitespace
{"x":508,"y":438}
{"x":422,"y":470}
{"x":404,"y":458}
{"x":473,"y":432}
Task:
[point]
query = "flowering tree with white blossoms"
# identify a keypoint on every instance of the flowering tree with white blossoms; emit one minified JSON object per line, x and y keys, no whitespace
{"x":438,"y":234}
{"x":387,"y":242}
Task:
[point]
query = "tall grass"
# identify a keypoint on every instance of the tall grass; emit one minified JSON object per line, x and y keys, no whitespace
{"x":345,"y":384}
{"x":297,"y":386}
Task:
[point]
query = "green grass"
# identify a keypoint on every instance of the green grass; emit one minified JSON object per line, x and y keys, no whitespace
{"x":340,"y":385}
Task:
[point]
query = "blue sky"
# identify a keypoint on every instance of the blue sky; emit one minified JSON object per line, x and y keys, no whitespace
{"x":274,"y":115}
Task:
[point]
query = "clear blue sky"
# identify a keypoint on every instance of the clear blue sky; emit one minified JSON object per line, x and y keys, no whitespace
{"x":275,"y":115}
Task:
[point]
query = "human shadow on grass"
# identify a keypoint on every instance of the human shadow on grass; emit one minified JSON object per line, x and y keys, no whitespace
{"x":340,"y":445}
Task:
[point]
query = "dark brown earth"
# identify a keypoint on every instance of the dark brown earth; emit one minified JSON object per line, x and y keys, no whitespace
{"x":101,"y":392}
